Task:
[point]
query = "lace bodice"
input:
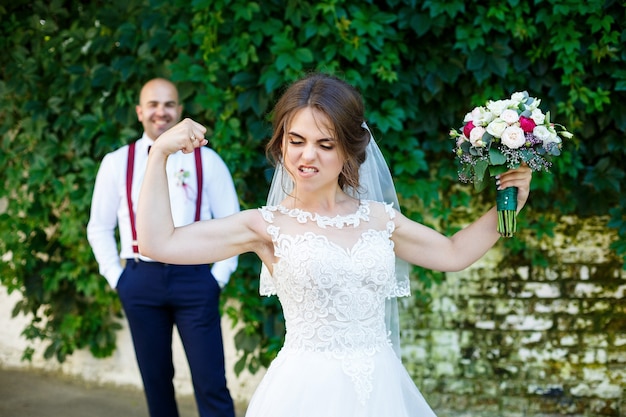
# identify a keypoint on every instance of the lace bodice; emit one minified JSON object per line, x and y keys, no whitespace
{"x":333,"y":276}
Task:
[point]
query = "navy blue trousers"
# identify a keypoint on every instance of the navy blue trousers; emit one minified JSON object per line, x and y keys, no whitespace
{"x":156,"y":297}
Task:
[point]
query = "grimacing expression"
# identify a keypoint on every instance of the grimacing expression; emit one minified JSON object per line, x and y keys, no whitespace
{"x":311,"y":153}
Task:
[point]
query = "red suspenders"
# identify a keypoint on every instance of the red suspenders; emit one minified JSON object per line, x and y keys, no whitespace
{"x":129,"y":186}
{"x":196,"y":153}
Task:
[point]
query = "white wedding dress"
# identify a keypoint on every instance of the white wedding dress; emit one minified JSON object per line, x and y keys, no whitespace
{"x":333,"y":277}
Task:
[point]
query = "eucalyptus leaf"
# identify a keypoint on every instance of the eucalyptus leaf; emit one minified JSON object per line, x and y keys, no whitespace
{"x":496,"y":157}
{"x":480,"y":168}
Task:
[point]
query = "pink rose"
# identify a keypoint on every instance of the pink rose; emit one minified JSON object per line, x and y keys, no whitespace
{"x":527,"y":124}
{"x":468,"y":128}
{"x":513,"y":137}
{"x":476,"y":137}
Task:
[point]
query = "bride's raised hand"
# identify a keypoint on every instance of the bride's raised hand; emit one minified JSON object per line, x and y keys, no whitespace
{"x":184,"y":136}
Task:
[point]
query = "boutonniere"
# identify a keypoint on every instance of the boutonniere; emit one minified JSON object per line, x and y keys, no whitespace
{"x":181,"y":180}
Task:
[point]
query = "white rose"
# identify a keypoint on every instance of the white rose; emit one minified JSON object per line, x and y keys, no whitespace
{"x":496,"y":127}
{"x":517,"y":97}
{"x":497,"y":107}
{"x":541,"y":133}
{"x":513,"y":137}
{"x":549,"y":135}
{"x":538,"y":117}
{"x":480,"y":116}
{"x":476,"y":136}
{"x":509,"y":116}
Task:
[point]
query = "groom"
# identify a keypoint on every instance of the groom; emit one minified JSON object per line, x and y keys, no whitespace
{"x":156,"y":296}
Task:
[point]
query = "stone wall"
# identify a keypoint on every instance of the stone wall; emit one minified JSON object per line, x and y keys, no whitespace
{"x":526,"y":340}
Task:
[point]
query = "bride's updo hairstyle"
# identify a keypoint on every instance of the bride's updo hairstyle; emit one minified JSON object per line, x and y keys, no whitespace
{"x":341,"y":103}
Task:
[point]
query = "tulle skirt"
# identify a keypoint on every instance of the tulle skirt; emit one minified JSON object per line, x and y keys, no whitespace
{"x":316,"y":384}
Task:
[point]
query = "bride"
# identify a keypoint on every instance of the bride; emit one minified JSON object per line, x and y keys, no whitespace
{"x":334,"y":248}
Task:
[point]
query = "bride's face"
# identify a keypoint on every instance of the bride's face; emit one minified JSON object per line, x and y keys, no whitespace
{"x":311,"y":152}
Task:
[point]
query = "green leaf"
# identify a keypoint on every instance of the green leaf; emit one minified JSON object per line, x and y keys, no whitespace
{"x":480,"y":169}
{"x":304,"y":55}
{"x":496,"y":157}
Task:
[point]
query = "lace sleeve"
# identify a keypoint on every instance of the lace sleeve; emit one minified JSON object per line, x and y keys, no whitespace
{"x":402,"y":285}
{"x":266,"y":281}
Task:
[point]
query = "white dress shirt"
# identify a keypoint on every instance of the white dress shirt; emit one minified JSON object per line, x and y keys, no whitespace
{"x":109,"y":208}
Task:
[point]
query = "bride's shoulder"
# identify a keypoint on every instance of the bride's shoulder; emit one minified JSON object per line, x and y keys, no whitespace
{"x":249,"y":218}
{"x":381,"y":209}
{"x":255,"y":221}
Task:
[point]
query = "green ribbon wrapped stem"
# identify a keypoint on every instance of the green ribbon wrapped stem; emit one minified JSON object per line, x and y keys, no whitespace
{"x":506,"y":204}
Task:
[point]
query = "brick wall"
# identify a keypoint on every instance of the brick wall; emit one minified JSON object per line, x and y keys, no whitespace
{"x":526,"y":340}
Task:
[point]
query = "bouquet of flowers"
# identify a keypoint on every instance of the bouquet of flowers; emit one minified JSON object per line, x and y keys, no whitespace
{"x":501,"y":135}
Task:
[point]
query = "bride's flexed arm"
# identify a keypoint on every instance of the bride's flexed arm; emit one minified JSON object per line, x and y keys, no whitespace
{"x":201,"y":242}
{"x":423,"y":246}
